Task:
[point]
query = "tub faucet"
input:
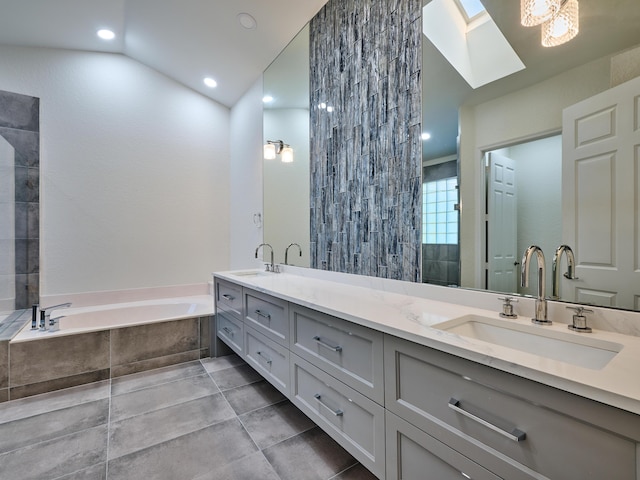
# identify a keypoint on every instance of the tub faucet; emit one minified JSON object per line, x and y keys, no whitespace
{"x":569,"y":274}
{"x":270,"y":267}
{"x":45,"y":314}
{"x":286,"y":252}
{"x":540,"y":316}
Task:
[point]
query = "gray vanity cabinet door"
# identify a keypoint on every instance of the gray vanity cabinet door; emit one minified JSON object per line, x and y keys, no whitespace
{"x":414,"y":455}
{"x":457,"y":402}
{"x":350,"y":418}
{"x":269,"y":359}
{"x":230,"y":330}
{"x":228,"y":297}
{"x":350,"y":352}
{"x":268,"y":315}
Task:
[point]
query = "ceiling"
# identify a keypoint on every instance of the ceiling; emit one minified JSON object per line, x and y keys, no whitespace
{"x":185,"y":40}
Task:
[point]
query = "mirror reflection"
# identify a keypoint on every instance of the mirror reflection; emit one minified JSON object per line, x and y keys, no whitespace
{"x":286,"y":183}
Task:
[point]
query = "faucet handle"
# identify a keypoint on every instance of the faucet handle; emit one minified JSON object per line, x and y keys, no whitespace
{"x":579,"y":323}
{"x":507,"y":307}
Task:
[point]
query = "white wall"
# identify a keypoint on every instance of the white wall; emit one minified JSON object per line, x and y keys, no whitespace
{"x":134,"y":172}
{"x":286,"y":199}
{"x":7,"y":227}
{"x":246,"y":177}
{"x":522,"y":115}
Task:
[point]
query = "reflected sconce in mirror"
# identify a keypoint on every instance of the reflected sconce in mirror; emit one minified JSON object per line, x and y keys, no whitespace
{"x":559,"y":19}
{"x":277,"y":147}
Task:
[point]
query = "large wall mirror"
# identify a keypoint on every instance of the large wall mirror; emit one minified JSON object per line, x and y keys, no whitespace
{"x":286,"y":119}
{"x":519,"y":117}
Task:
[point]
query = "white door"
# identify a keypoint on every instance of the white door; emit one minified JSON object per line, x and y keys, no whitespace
{"x":502,"y":229}
{"x":600,"y":202}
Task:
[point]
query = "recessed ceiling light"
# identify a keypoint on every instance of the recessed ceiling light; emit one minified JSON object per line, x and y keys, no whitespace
{"x":247,"y":21}
{"x":106,"y":34}
{"x":210,"y":82}
{"x":267,"y":99}
{"x":426,"y":136}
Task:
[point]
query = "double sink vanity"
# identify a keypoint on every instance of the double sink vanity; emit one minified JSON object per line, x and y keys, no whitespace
{"x":416,"y":385}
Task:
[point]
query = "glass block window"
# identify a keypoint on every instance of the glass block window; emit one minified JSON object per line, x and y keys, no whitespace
{"x":439,"y":216}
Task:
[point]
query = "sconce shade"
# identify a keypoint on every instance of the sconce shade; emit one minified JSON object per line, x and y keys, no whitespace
{"x":269,"y":151}
{"x":535,"y":12}
{"x":287,"y":154}
{"x":563,"y":27}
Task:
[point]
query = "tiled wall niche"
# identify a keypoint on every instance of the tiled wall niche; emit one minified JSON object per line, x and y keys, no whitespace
{"x":20,"y":127}
{"x":365,"y":61}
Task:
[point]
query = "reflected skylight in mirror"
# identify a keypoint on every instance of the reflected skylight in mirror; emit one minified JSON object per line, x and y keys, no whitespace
{"x":471,"y":8}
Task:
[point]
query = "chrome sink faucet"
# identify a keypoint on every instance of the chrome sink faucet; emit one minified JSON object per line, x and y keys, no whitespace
{"x":45,"y":315}
{"x":540,"y":316}
{"x":270,"y":267}
{"x":286,"y":252}
{"x":569,"y":274}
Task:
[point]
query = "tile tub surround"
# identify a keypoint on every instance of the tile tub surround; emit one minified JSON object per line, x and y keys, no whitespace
{"x":207,"y":419}
{"x":46,"y":364}
{"x":412,"y":318}
{"x":20,"y":126}
{"x":366,"y":154}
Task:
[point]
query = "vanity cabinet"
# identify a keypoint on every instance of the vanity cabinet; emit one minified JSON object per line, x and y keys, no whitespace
{"x":515,"y":428}
{"x":269,"y":358}
{"x":268,"y":315}
{"x":350,"y":352}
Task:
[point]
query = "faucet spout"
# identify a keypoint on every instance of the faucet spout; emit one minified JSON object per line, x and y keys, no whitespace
{"x":286,"y":252}
{"x":540,"y":316}
{"x":45,"y":314}
{"x":271,"y":266}
{"x":569,"y":274}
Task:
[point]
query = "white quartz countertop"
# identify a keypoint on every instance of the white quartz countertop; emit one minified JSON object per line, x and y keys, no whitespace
{"x":413,"y":318}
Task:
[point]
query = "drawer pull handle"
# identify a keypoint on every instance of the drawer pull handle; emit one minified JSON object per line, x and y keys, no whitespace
{"x":337,"y":348}
{"x":337,"y":413}
{"x":226,"y":296}
{"x":228,"y":331}
{"x":260,"y":313}
{"x":266,"y":359}
{"x":515,"y":435}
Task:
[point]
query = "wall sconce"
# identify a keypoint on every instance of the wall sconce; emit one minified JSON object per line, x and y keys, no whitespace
{"x":559,"y":19}
{"x":275,"y":147}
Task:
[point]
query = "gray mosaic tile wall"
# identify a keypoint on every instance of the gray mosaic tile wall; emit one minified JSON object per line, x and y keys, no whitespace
{"x":20,"y":126}
{"x":366,"y":153}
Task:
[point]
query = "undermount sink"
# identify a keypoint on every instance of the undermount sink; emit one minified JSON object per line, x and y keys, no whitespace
{"x":250,"y":273}
{"x":574,"y":348}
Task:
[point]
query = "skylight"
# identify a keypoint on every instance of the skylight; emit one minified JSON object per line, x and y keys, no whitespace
{"x":471,"y":8}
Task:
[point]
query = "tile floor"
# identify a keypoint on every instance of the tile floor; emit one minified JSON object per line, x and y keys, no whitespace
{"x":214,"y":419}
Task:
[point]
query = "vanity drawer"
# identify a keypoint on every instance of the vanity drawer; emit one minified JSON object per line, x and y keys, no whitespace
{"x":414,"y":455}
{"x":229,"y":298}
{"x":268,"y":315}
{"x":349,"y":352}
{"x":451,"y":399}
{"x":269,"y":359}
{"x":353,"y":420}
{"x":229,"y":330}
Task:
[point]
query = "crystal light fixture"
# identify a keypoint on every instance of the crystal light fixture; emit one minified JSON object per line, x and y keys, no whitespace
{"x":563,"y":26}
{"x":536,"y":12}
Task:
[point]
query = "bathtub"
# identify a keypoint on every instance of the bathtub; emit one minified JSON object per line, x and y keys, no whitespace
{"x":117,"y":315}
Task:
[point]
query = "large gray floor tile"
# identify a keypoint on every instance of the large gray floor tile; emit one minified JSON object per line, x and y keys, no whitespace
{"x":221,"y":363}
{"x":161,"y":396}
{"x":138,"y":381}
{"x":270,"y":425}
{"x":95,"y":472}
{"x":255,"y":395}
{"x":357,"y":472}
{"x":47,"y":402}
{"x":38,"y":428}
{"x":142,"y":431}
{"x":312,"y":455}
{"x":235,"y":377}
{"x":251,"y":467}
{"x":57,"y":457}
{"x":186,"y":457}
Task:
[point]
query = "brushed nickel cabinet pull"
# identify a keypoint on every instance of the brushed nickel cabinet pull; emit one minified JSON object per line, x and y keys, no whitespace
{"x":337,"y":348}
{"x":262,"y":314}
{"x":337,"y":413}
{"x":266,"y":359}
{"x":515,"y":435}
{"x":226,"y":296}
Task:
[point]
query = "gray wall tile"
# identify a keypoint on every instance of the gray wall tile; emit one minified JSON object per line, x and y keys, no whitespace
{"x":19,"y":111}
{"x":366,"y":155}
{"x":4,"y":364}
